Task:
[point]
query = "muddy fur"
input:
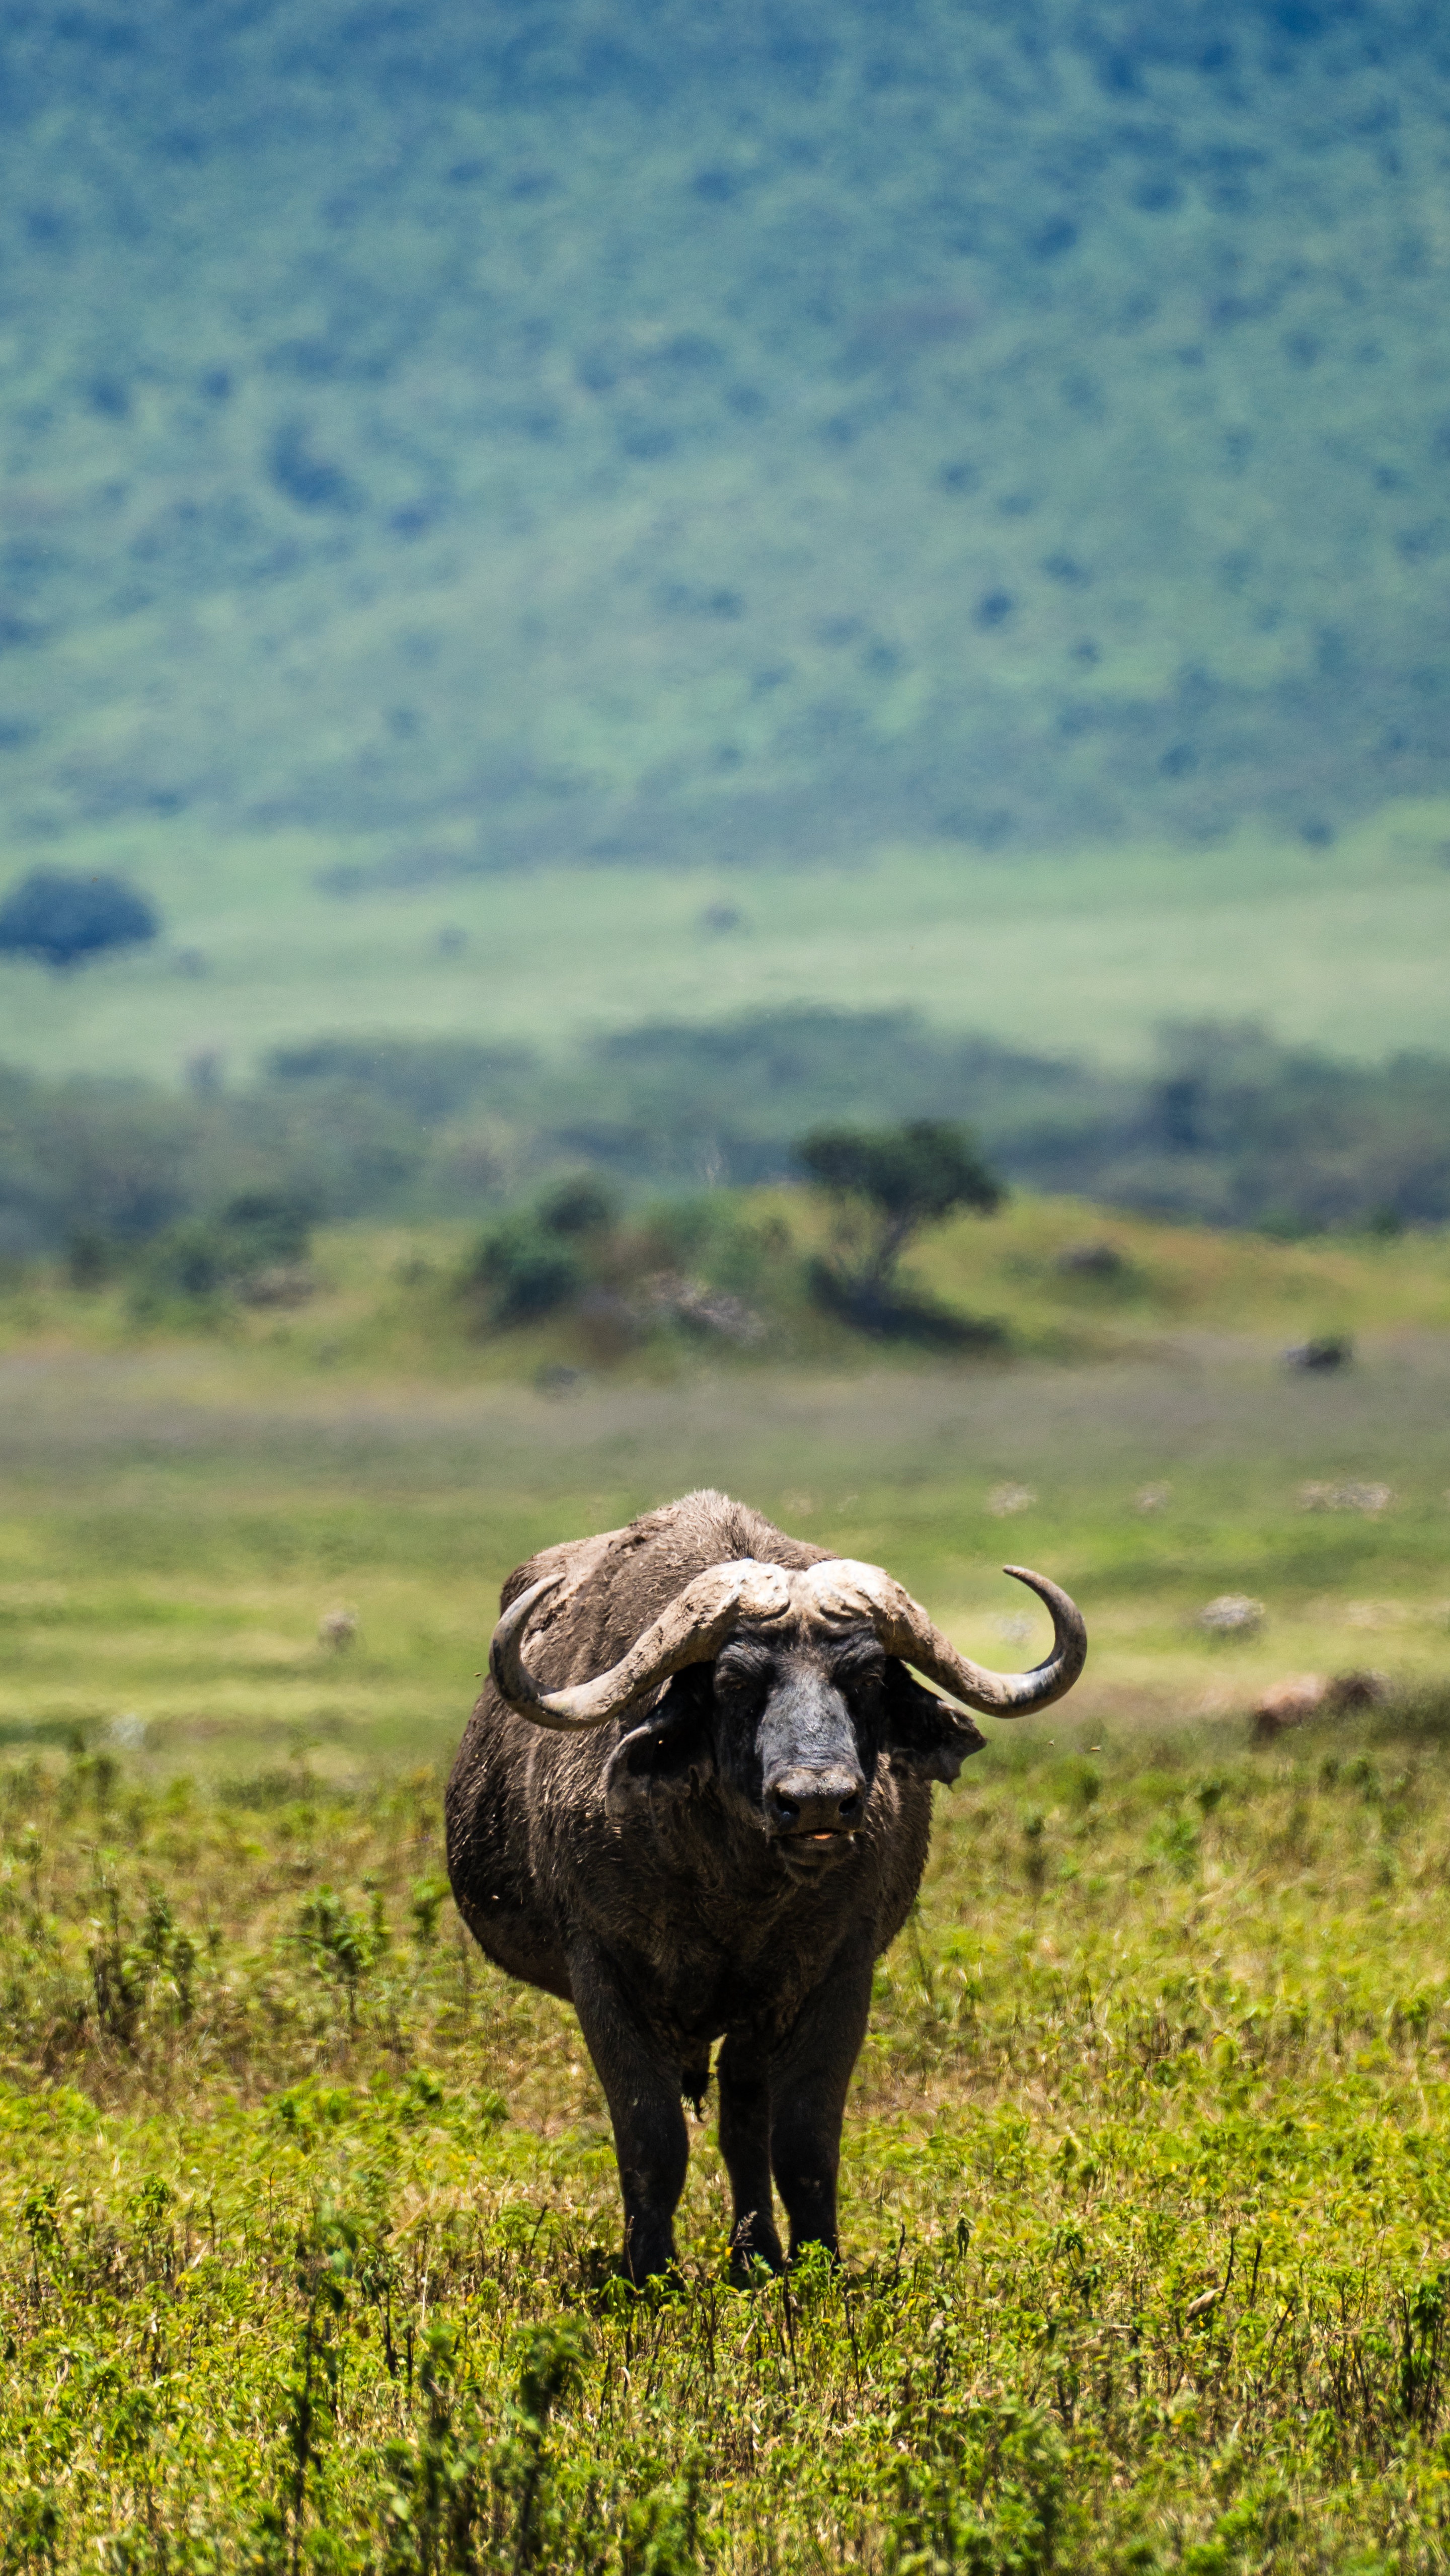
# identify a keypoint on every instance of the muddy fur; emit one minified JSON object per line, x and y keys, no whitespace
{"x":640,"y":1871}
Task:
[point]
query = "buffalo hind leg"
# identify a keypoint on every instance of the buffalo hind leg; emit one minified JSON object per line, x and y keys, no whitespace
{"x":745,"y":2146}
{"x":642,"y":2089}
{"x":809,"y":2077}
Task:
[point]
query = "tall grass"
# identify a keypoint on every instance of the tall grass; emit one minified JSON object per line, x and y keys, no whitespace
{"x":305,"y":2254}
{"x":308,"y":2217}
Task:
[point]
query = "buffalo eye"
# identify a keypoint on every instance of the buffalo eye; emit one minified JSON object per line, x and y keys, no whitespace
{"x":861,"y":1671}
{"x":741,"y":1676}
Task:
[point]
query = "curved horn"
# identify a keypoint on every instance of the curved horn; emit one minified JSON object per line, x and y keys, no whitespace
{"x":691,"y":1630}
{"x":848,"y":1590}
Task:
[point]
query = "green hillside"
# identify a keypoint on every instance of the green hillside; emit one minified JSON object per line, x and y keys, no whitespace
{"x":651,"y":433}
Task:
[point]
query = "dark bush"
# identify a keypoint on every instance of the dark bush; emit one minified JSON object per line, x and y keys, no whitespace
{"x":61,"y":918}
{"x":313,"y":482}
{"x":261,"y":1235}
{"x":188,"y":1260}
{"x":1327,"y":1351}
{"x":264,"y":1226}
{"x":582,"y":1204}
{"x":524,"y":1272}
{"x":90,"y":1259}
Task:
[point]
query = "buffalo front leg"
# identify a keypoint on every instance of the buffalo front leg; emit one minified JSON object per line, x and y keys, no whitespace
{"x":741,"y":2072}
{"x":642,"y":2089}
{"x":809,"y":2076}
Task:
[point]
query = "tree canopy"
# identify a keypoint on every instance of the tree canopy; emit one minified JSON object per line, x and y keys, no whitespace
{"x":914,"y":1175}
{"x":62,"y":918}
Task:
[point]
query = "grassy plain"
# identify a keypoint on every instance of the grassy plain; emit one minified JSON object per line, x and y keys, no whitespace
{"x":1077,"y":956}
{"x":306,"y":2215}
{"x":191,"y":1501}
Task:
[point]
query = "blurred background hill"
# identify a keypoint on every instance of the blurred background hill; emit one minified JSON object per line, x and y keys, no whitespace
{"x":550,"y":528}
{"x":604,"y":431}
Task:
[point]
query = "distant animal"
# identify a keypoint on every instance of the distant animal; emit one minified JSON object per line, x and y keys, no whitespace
{"x":1329,"y":1351}
{"x":1302,"y":1695}
{"x":1287,"y":1703}
{"x":1358,"y":1690}
{"x":337,"y":1628}
{"x":694,"y":1801}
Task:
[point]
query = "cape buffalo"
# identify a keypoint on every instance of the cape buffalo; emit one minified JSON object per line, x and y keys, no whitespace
{"x":694,"y":1801}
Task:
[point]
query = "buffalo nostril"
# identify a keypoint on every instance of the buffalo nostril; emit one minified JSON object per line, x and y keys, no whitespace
{"x":815,"y":1803}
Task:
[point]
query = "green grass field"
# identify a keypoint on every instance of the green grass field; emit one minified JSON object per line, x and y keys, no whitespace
{"x":1083,"y":956}
{"x":191,"y":1503}
{"x":306,"y":2217}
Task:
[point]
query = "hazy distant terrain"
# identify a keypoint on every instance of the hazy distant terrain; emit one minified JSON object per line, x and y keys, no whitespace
{"x":650,"y":432}
{"x":1083,"y":952}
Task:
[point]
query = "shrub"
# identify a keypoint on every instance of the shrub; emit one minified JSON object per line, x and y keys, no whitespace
{"x":524,"y":1271}
{"x":582,"y":1204}
{"x":62,"y":919}
{"x":263,"y":1226}
{"x":188,"y":1260}
{"x":260,"y":1232}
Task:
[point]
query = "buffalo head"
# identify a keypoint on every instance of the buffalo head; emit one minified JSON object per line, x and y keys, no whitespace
{"x":789,"y":1685}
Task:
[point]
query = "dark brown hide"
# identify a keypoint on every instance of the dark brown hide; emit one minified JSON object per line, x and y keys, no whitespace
{"x":639,"y":1870}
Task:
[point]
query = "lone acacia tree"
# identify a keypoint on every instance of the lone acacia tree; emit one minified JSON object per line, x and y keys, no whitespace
{"x":888,"y":1183}
{"x":62,"y":918}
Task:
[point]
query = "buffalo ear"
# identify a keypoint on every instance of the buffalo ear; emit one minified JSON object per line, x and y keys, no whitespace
{"x":670,"y":1755}
{"x":923,"y":1735}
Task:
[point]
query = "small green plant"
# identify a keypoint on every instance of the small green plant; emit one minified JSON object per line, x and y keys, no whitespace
{"x":1177,"y":1843}
{"x":120,"y":1973}
{"x":550,"y":2360}
{"x":343,"y":1944}
{"x":984,"y":2489}
{"x":437,"y":2498}
{"x":426,"y":1900}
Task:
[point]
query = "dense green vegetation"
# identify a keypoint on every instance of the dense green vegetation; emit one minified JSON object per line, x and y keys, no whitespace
{"x":305,"y":2212}
{"x":306,"y":2217}
{"x":608,"y":429}
{"x":1226,"y":1127}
